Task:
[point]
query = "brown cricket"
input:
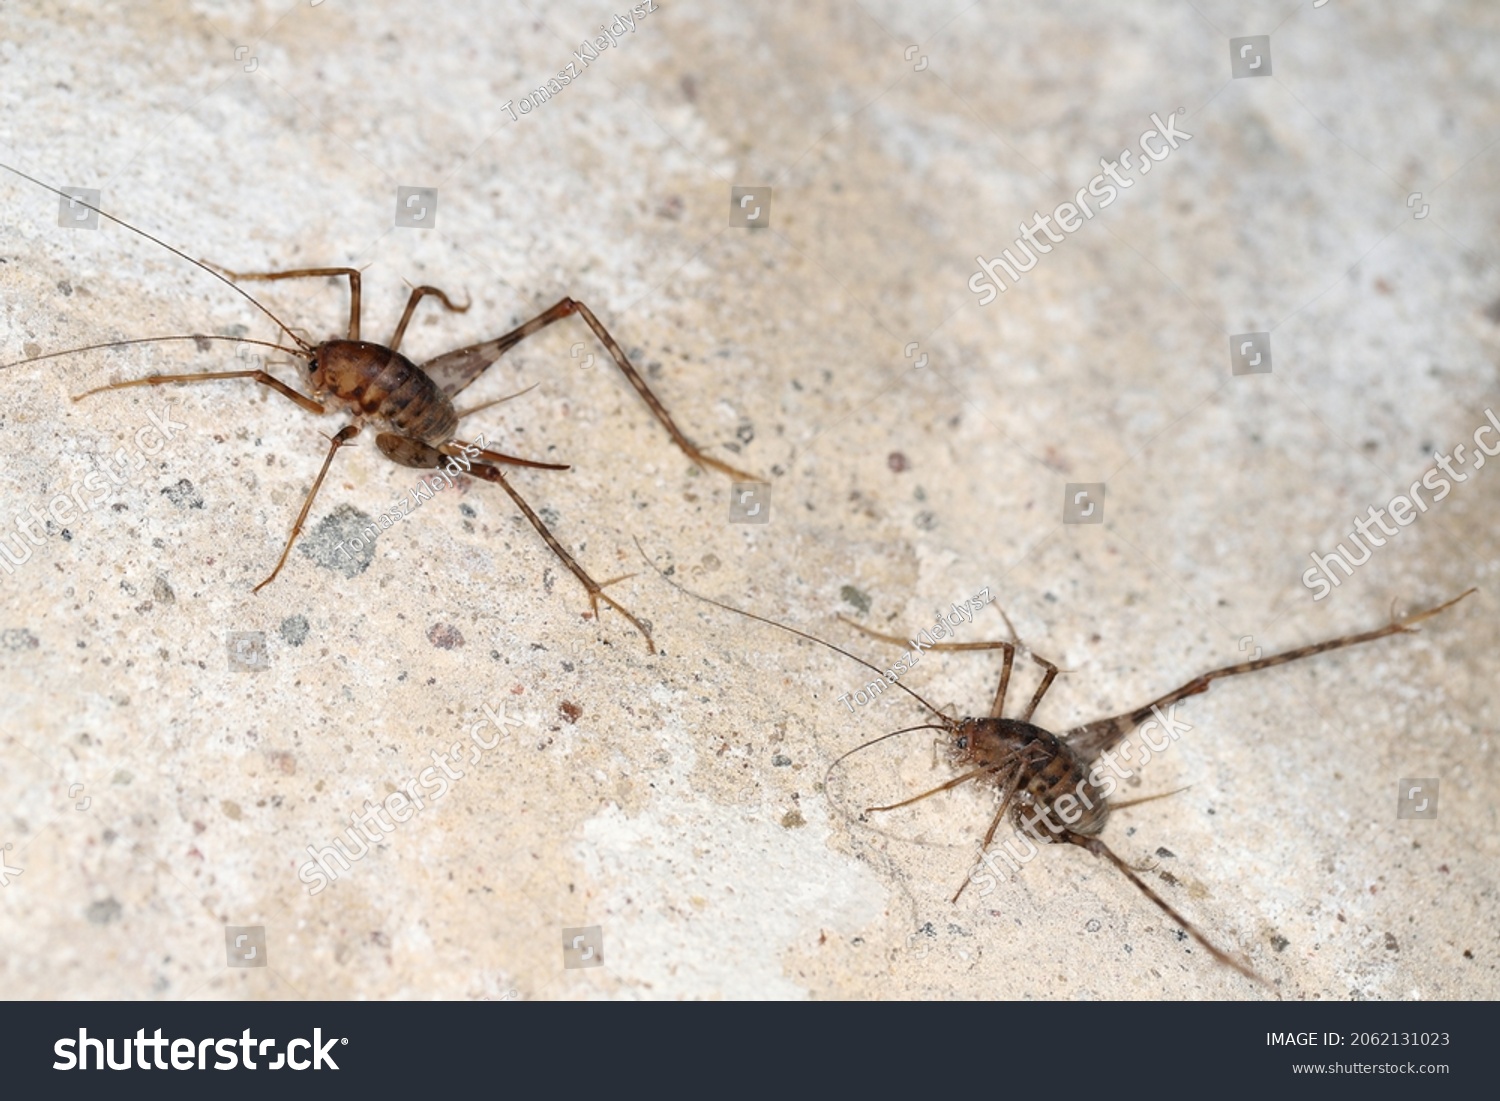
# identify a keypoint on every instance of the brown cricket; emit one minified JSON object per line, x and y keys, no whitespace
{"x":409,"y":405}
{"x":1033,"y":769}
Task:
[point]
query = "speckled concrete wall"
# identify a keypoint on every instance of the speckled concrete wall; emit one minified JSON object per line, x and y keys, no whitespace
{"x":173,"y":743}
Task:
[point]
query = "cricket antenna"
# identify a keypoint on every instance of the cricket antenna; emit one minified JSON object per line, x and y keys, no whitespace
{"x":151,"y":340}
{"x":876,"y":741}
{"x":784,"y":627}
{"x":175,"y":251}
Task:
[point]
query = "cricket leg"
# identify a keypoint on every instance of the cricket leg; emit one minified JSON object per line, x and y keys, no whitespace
{"x":455,"y":370}
{"x":416,"y":453}
{"x":259,"y":376}
{"x":595,"y":588}
{"x":953,"y":783}
{"x":652,"y":401}
{"x":1041,"y":689}
{"x":308,"y":273}
{"x":459,"y":449}
{"x":1104,"y":733}
{"x":1011,"y":783}
{"x":417,"y":294}
{"x":997,"y":709}
{"x":1099,"y":848}
{"x":343,"y":436}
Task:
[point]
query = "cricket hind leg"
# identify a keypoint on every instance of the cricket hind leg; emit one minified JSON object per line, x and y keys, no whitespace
{"x":1101,"y":734}
{"x":1100,"y":849}
{"x":406,"y":451}
{"x":569,"y":306}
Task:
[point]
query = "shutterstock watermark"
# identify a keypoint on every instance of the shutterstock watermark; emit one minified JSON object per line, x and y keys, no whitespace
{"x":435,"y":782}
{"x":192,"y":1053}
{"x":942,"y":629}
{"x":1103,"y":778}
{"x":1156,"y":145}
{"x":69,"y":507}
{"x":1402,"y":508}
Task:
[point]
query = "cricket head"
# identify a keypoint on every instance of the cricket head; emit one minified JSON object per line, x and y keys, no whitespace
{"x":1000,"y":744}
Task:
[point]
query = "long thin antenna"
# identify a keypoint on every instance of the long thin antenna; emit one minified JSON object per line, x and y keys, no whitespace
{"x":788,"y":630}
{"x":177,"y":252}
{"x":150,"y":340}
{"x":883,"y":737}
{"x":866,"y":745}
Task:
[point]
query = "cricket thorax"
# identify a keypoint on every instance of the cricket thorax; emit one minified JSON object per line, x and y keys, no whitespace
{"x":386,"y":387}
{"x":1054,"y":793}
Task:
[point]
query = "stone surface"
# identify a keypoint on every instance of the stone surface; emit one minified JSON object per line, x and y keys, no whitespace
{"x":173,"y":743}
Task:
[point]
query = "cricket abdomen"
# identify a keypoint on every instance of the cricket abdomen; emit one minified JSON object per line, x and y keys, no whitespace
{"x":383,"y":385}
{"x":1054,"y":794}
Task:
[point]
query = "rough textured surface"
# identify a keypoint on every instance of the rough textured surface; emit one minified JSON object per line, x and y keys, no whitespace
{"x":678,"y":800}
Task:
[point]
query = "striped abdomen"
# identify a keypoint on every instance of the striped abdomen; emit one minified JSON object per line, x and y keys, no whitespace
{"x":385,"y":386}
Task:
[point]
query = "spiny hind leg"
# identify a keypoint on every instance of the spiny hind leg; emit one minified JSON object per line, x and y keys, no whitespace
{"x":1099,"y":848}
{"x":1101,"y":734}
{"x":569,"y":306}
{"x":1397,"y":626}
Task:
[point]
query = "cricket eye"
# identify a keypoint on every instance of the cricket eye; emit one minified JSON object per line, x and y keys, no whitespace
{"x":963,"y":743}
{"x":312,"y":363}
